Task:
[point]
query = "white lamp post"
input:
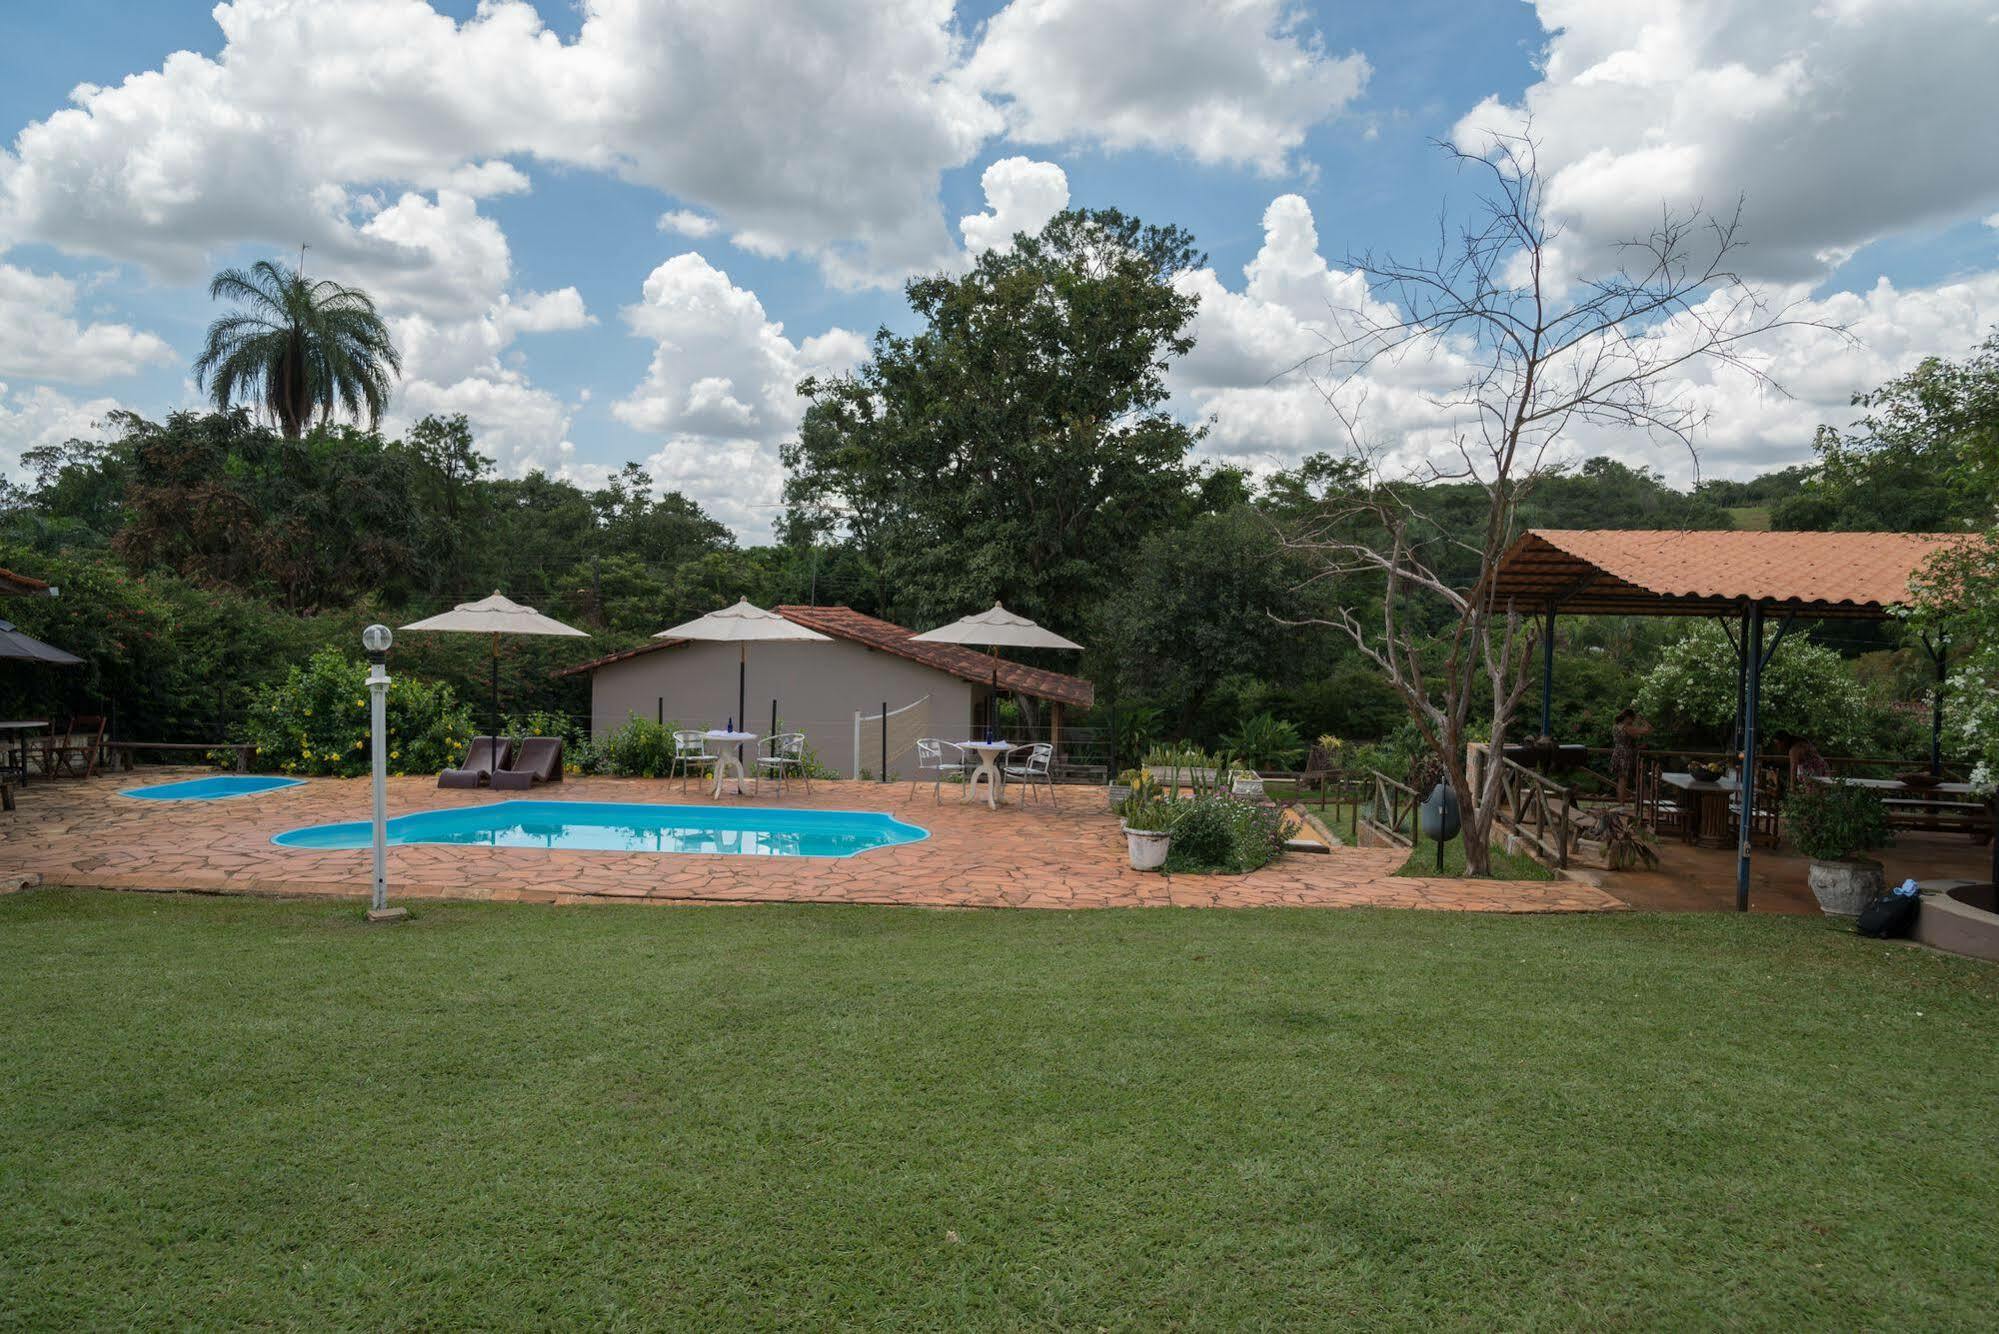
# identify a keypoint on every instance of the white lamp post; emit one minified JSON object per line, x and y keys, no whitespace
{"x":376,"y":640}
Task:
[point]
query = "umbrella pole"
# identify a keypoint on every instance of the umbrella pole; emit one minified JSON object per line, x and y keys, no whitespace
{"x":496,"y":699}
{"x":742,"y":705}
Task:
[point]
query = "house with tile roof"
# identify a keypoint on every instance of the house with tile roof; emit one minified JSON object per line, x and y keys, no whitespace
{"x":941,"y":690}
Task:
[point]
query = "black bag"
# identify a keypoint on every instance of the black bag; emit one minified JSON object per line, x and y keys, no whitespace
{"x":1889,"y":915}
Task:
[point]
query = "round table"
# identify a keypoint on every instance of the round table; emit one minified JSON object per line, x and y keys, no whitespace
{"x":989,"y":753}
{"x":729,"y":757}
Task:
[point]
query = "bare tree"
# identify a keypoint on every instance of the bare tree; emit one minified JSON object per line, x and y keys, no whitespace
{"x":1524,"y":357}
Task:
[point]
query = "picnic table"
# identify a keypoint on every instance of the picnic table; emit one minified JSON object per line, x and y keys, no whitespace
{"x":1710,"y":808}
{"x":1958,"y":807}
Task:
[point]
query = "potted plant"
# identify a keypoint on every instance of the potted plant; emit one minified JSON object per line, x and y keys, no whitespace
{"x":1834,"y":824}
{"x":1244,"y":781}
{"x":1148,"y":824}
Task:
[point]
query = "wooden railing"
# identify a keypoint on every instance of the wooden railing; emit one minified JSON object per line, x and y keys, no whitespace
{"x":1392,"y":809}
{"x":1537,"y":807}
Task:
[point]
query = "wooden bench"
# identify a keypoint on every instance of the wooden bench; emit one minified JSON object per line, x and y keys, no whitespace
{"x":124,"y":751}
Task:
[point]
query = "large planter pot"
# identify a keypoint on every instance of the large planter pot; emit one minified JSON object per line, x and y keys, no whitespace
{"x":1148,"y":847}
{"x":1843,"y":888}
{"x":1247,"y":785}
{"x":1116,"y":793}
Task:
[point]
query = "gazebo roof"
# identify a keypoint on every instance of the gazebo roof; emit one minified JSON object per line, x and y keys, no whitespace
{"x":12,"y":584}
{"x":1855,"y":576}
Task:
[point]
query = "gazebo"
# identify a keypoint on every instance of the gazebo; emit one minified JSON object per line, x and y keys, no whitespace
{"x":1744,"y":579}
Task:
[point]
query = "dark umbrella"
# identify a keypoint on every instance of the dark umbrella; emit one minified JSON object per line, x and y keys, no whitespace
{"x":26,"y":648}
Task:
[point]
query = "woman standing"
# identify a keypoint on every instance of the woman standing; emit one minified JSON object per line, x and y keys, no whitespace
{"x":1624,"y":735}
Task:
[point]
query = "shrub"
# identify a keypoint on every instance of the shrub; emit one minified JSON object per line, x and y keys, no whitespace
{"x":639,"y":749}
{"x":1834,"y":821}
{"x":1265,"y":742}
{"x":315,"y":721}
{"x":1214,"y":832}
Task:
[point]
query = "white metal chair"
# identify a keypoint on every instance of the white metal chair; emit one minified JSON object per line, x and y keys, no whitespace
{"x":782,"y":756}
{"x":937,"y":760}
{"x":690,"y":756}
{"x":1037,"y":770}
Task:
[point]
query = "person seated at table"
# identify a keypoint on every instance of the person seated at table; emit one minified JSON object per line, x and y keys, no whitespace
{"x":1625,"y":731}
{"x":1806,"y":762}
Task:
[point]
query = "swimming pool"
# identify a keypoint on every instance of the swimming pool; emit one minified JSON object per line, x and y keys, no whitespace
{"x":210,"y":789}
{"x":603,"y":826}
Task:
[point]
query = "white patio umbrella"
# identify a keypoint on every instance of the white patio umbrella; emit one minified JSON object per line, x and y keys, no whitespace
{"x":742,"y":625}
{"x":995,"y":630}
{"x":496,"y":616}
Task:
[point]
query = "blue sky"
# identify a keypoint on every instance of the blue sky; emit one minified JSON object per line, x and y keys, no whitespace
{"x":497,"y":176}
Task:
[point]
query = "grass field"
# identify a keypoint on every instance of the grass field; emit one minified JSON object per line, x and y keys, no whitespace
{"x":233,"y":1111}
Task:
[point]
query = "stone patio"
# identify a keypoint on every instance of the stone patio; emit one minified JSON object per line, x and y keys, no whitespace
{"x":1070,"y":855}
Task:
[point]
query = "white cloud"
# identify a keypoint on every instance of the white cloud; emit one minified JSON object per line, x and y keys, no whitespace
{"x":1227,"y":81}
{"x":41,"y":338}
{"x":1021,"y":196}
{"x":39,"y":415}
{"x":827,"y":142}
{"x":1838,"y":122}
{"x":1243,"y":370}
{"x":722,"y":389}
{"x":687,"y":222}
{"x":519,"y":426}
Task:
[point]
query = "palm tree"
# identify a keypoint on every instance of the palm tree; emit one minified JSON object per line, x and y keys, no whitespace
{"x":298,"y":348}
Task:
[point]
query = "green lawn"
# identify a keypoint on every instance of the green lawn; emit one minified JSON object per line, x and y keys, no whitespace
{"x":1505,"y":865}
{"x":230,"y":1111}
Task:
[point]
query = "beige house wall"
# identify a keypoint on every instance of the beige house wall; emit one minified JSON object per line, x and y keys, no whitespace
{"x":818,"y":688}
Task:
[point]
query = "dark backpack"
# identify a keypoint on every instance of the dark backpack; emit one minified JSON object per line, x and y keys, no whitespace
{"x":1889,"y":915}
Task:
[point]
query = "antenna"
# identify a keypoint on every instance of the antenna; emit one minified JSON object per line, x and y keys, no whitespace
{"x":301,"y":258}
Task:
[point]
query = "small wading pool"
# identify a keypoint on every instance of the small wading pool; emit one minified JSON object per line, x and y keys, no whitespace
{"x":210,"y":789}
{"x":627,"y":827}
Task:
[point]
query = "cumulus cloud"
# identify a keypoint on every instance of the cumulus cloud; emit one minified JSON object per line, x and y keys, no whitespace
{"x":41,"y":338}
{"x":836,"y":155}
{"x":1841,"y":122}
{"x":39,"y":415}
{"x":1236,"y":82}
{"x":721,"y":389}
{"x":1245,"y":370}
{"x":687,"y":222}
{"x":1021,"y":196}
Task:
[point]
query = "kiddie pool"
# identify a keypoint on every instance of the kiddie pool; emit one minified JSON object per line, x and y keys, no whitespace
{"x":210,"y":789}
{"x":603,"y":826}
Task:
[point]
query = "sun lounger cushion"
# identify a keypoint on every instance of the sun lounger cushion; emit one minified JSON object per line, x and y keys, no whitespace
{"x":481,"y":759}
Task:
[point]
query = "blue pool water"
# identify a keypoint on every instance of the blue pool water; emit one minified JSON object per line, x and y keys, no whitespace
{"x":602,"y":826}
{"x":210,"y":789}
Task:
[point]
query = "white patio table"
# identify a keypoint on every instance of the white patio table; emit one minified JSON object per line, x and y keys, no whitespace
{"x":729,"y":757}
{"x":989,"y":753}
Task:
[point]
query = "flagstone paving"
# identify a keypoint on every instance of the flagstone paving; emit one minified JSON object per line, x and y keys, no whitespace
{"x":1069,"y":855}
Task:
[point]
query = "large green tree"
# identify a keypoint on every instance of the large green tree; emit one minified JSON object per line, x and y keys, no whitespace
{"x":1018,"y":446}
{"x":1924,"y":457}
{"x":298,"y":349}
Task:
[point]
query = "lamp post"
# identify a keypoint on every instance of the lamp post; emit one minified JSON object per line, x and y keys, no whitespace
{"x":376,"y":640}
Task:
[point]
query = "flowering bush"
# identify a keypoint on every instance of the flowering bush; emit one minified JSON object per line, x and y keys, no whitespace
{"x":1807,"y":689}
{"x":1215,"y":832}
{"x":315,"y":721}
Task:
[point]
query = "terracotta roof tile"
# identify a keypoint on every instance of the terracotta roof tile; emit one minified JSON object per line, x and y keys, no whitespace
{"x":888,"y":637}
{"x":965,"y":663}
{"x":20,"y":583}
{"x":1693,"y":573}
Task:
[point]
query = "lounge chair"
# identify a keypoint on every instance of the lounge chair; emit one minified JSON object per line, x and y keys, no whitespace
{"x":484,"y":756}
{"x":539,"y":760}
